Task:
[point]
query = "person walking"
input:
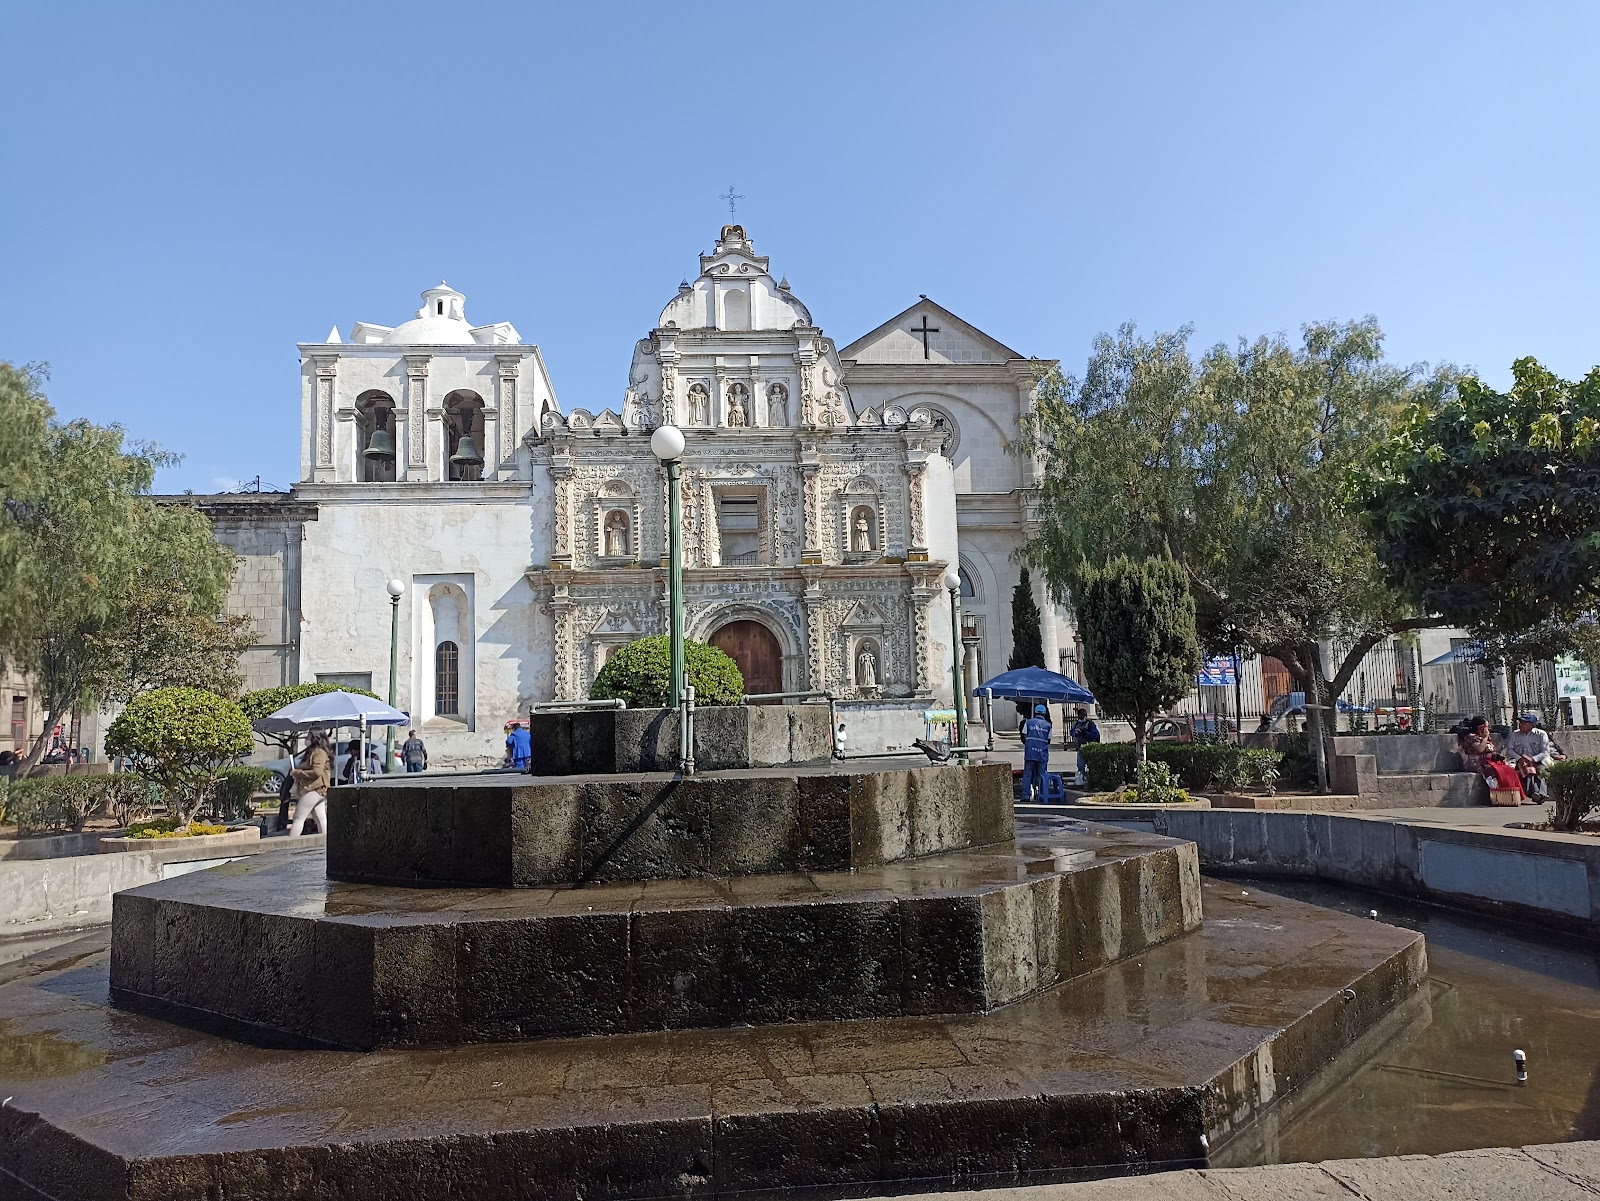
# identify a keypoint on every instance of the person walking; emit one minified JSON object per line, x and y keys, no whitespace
{"x":413,"y":753}
{"x":311,"y":780}
{"x":1035,"y":752}
{"x":1083,"y":730}
{"x":519,"y":747}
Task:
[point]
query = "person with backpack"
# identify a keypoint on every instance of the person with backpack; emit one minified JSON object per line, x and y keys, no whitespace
{"x":413,"y":753}
{"x":1035,"y":752}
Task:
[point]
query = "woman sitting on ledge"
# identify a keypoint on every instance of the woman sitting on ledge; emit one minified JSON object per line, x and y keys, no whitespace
{"x":1478,"y":752}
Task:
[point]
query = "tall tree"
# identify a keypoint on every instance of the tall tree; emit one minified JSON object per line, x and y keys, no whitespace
{"x":94,"y":560}
{"x":1140,"y":650}
{"x":1027,"y":641}
{"x":1234,"y":466}
{"x":1487,"y":507}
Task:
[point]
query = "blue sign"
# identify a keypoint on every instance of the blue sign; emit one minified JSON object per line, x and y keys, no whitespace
{"x":1221,"y":672}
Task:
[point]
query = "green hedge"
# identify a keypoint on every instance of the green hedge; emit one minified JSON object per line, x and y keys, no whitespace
{"x":1204,"y":765}
{"x":639,"y":673}
{"x":235,"y":794}
{"x":51,"y":804}
{"x":1575,"y":789}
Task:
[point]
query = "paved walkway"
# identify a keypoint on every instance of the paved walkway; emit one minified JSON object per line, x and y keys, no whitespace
{"x":1559,"y":1172}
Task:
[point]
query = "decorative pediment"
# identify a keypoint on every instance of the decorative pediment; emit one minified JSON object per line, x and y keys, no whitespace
{"x":580,"y":419}
{"x":609,"y":423}
{"x":617,"y":625}
{"x":931,"y":334}
{"x":864,"y":618}
{"x":870,"y":417}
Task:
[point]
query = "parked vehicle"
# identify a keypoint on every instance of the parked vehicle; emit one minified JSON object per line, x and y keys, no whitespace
{"x":280,"y":767}
{"x":1189,"y":728}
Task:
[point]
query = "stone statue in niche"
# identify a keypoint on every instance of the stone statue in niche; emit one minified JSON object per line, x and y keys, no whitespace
{"x":699,"y":405}
{"x":777,"y":406}
{"x":861,"y":532}
{"x":616,"y":535}
{"x":738,"y":414}
{"x":866,"y":667}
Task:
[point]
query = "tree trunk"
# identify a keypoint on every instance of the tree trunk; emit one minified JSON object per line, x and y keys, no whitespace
{"x":1317,"y":694}
{"x":1141,"y":726}
{"x":54,"y":713}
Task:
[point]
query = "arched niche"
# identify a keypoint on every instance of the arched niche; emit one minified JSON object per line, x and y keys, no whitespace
{"x":444,"y":653}
{"x":698,"y":401}
{"x":735,"y":309}
{"x":868,"y":664}
{"x":616,"y":522}
{"x":463,"y":419}
{"x":861,"y":514}
{"x":375,"y":413}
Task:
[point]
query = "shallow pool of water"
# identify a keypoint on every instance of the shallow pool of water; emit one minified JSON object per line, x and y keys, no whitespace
{"x":1439,"y":1075}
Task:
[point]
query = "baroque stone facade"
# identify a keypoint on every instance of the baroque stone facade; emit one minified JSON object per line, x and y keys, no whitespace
{"x":824,"y":491}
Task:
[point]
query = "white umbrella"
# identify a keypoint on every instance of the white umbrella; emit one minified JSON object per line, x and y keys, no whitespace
{"x":328,"y":710}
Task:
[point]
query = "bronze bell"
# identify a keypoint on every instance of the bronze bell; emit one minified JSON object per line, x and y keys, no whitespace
{"x":381,"y":447}
{"x":467,"y":451}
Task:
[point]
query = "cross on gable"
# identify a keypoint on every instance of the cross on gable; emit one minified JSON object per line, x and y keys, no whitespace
{"x":923,"y":334}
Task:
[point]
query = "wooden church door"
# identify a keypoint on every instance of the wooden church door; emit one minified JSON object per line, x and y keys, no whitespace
{"x":754,"y":648}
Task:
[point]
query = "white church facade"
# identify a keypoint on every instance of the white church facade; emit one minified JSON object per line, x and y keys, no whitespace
{"x":824,"y":492}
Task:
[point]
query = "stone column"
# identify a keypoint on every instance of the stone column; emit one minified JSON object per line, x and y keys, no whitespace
{"x":816,"y":659}
{"x":416,"y":416}
{"x":510,"y":366}
{"x":917,"y":538}
{"x":564,"y":664}
{"x":327,"y":375}
{"x":561,"y":472}
{"x":1049,"y":628}
{"x":812,"y":483}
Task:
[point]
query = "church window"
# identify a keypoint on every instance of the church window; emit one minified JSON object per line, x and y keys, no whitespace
{"x":967,"y":590}
{"x":739,"y":528}
{"x":447,"y":680}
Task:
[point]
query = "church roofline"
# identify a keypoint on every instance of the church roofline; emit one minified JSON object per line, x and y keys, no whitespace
{"x":848,"y":352}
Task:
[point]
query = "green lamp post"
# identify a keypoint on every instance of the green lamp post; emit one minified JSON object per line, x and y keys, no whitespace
{"x":396,"y":590}
{"x":667,"y":445}
{"x":952,"y":581}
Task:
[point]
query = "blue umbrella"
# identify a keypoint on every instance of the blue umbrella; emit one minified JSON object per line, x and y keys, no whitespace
{"x":1036,"y":684}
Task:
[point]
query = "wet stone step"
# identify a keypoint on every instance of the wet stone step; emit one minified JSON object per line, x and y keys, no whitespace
{"x":520,"y":832}
{"x":279,"y":953}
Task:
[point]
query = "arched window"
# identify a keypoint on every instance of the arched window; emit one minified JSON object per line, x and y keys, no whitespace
{"x":447,"y":680}
{"x":967,"y":590}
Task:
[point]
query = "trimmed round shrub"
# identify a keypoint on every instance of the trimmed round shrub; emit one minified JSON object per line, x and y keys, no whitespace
{"x":181,"y":738}
{"x":640,"y":673}
{"x":1575,"y":789}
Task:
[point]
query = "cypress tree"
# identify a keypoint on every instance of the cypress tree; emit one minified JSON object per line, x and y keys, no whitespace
{"x":1027,"y":643}
{"x":1140,"y":651}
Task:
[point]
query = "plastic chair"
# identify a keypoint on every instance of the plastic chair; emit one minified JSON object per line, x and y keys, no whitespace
{"x":1055,"y":792}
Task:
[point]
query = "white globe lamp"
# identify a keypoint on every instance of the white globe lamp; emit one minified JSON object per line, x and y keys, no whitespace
{"x":396,"y":589}
{"x":952,"y":579}
{"x":667,"y":443}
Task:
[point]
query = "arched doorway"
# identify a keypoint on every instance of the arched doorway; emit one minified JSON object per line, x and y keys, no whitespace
{"x":755,"y":649}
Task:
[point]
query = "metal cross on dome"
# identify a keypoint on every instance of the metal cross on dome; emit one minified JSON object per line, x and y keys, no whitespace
{"x":730,"y":196}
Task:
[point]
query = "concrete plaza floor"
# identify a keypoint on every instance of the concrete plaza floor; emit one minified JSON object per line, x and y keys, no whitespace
{"x":1556,"y":1172}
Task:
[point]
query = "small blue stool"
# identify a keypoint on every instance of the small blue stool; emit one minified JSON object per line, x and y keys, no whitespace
{"x":1055,"y":793}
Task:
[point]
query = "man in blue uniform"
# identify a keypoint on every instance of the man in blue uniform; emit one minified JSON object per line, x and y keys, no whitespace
{"x":519,"y":746}
{"x":1035,"y":752}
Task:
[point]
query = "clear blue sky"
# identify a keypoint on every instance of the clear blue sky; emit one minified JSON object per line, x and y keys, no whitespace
{"x":191,"y":189}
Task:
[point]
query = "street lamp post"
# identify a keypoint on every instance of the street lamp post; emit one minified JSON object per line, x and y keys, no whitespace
{"x":396,"y":589}
{"x":952,"y":581}
{"x":667,"y":445}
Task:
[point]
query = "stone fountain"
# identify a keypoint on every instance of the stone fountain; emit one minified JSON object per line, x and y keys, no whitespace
{"x":783,"y":973}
